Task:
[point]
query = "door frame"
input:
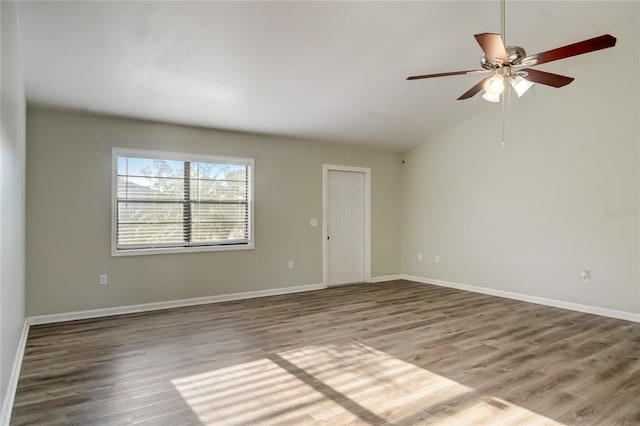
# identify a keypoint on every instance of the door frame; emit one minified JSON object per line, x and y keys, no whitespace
{"x":326,"y":168}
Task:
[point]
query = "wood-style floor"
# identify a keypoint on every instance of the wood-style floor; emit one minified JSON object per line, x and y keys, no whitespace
{"x":393,"y":353}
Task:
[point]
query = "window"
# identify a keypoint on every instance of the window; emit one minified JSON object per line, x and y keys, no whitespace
{"x":166,"y":202}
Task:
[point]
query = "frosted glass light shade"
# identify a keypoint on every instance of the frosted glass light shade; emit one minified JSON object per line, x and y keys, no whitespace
{"x":491,"y":97}
{"x":521,"y":85}
{"x":494,"y":85}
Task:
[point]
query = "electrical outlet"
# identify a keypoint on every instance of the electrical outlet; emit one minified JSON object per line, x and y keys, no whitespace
{"x":291,"y":264}
{"x":103,"y":279}
{"x":436,"y":259}
{"x":419,"y":257}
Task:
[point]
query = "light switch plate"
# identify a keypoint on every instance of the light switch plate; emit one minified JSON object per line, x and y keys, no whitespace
{"x":313,"y":221}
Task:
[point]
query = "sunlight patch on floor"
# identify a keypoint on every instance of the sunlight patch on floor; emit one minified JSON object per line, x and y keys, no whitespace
{"x":341,"y":383}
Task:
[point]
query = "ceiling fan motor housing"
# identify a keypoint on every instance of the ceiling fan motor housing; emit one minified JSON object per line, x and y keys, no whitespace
{"x":515,"y":54}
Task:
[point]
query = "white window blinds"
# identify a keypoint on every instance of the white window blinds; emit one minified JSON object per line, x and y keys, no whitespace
{"x":177,"y":202}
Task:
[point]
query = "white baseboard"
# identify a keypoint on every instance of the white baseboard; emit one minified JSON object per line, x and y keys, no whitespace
{"x":629,"y":316}
{"x":130,"y":309}
{"x":382,"y":278}
{"x":7,"y":403}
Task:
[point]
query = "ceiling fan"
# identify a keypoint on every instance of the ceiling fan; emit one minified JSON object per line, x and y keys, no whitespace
{"x":508,"y":62}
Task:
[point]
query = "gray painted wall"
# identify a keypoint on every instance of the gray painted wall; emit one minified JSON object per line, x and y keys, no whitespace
{"x":12,"y":194}
{"x":560,"y":197}
{"x":526,"y":218}
{"x":68,"y":215}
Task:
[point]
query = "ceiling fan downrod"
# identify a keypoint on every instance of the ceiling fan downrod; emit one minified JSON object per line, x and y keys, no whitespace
{"x":502,"y":21}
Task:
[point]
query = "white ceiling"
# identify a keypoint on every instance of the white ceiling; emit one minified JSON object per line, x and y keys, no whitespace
{"x":325,"y":70}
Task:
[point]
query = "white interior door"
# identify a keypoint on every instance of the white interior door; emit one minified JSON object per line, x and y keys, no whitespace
{"x":345,"y":227}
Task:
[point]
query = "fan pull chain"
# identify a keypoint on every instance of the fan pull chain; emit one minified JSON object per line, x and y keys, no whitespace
{"x":506,"y":117}
{"x":506,"y":97}
{"x":509,"y":107}
{"x":503,"y":144}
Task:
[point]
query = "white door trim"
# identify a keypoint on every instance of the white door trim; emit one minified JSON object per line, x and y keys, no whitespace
{"x":367,"y":218}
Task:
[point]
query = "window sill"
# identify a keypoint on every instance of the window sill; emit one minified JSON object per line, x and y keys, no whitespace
{"x":179,"y":250}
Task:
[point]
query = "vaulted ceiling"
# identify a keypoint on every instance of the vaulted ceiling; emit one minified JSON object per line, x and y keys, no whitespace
{"x":324,"y":70}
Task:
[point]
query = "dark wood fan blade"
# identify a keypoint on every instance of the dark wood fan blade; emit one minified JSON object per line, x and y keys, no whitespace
{"x":547,"y":78}
{"x":443,"y":74}
{"x":492,"y":46}
{"x":585,"y":46}
{"x":474,"y":90}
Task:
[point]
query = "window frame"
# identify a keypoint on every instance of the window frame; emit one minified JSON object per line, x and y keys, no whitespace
{"x":177,"y":156}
